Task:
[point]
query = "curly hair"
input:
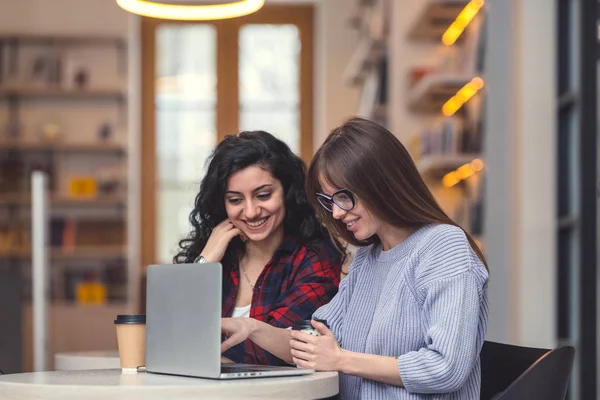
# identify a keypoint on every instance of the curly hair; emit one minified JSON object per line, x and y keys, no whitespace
{"x":234,"y":154}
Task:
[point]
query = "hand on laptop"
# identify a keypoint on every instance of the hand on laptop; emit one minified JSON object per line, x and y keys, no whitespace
{"x":225,"y":360}
{"x":236,"y":329}
{"x":219,"y":240}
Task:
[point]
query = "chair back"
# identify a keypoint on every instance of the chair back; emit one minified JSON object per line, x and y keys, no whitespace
{"x":516,"y":372}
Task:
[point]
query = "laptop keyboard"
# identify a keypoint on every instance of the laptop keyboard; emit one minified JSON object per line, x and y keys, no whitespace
{"x":231,"y":368}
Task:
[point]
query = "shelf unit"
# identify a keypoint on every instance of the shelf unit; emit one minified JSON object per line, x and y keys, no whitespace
{"x":454,"y":141}
{"x":77,"y":83}
{"x":16,"y":39}
{"x":17,"y":199}
{"x":15,"y":42}
{"x":440,"y":141}
{"x":62,"y":147}
{"x":57,"y":92}
{"x":94,"y":253}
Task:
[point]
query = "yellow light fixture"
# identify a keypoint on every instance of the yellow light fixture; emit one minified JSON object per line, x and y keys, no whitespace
{"x":462,"y":172}
{"x":191,"y":10}
{"x":450,"y":179}
{"x":463,"y":95}
{"x":461,"y":22}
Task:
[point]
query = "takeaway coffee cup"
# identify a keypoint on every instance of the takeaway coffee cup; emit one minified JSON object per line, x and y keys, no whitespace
{"x":306,"y":327}
{"x":131,"y":338}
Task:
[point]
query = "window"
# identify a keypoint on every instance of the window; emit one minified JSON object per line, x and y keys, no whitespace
{"x":203,"y":81}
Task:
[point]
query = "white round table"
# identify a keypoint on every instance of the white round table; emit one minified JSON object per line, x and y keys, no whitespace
{"x":114,"y":385}
{"x":86,"y":360}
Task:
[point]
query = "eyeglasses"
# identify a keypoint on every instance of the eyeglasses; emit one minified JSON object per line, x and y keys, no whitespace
{"x":343,"y":198}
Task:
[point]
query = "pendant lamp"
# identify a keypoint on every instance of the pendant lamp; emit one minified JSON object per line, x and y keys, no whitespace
{"x":191,"y":10}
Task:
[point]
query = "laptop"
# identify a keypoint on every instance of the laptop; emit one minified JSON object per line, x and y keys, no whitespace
{"x":183,"y":325}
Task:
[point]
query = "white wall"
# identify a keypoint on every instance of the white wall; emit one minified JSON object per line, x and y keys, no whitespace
{"x":335,"y":41}
{"x":520,"y":138}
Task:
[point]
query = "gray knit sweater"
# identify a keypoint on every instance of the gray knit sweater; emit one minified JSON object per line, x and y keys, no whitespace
{"x":424,"y":302}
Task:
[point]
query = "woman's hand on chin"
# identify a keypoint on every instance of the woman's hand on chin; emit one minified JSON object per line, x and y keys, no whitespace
{"x":219,"y":239}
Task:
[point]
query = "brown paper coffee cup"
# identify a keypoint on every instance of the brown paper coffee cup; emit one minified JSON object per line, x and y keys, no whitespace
{"x":131,"y":339}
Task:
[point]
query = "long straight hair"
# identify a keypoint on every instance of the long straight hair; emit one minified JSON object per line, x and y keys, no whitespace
{"x":367,"y":159}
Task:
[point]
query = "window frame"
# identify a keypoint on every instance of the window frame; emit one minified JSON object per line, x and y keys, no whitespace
{"x":227,"y":107}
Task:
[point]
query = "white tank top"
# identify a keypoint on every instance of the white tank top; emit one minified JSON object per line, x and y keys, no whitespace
{"x":241,"y":311}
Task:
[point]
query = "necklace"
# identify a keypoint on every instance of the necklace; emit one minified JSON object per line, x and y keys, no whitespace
{"x":246,"y":275}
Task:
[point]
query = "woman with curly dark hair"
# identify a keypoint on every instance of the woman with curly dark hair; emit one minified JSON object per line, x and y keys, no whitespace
{"x":252,"y":215}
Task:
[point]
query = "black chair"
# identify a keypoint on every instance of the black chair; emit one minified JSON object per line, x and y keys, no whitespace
{"x":514,"y":372}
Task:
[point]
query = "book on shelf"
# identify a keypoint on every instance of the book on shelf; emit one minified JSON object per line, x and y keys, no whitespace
{"x":445,"y":136}
{"x":373,"y":95}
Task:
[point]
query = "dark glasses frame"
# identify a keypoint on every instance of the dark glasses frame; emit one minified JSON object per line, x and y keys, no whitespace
{"x":322,"y":196}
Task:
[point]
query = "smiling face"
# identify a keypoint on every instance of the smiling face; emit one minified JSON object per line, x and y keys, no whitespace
{"x":359,"y":220}
{"x":254,"y":202}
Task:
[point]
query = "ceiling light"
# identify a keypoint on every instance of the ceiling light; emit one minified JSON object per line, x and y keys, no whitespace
{"x":191,"y":10}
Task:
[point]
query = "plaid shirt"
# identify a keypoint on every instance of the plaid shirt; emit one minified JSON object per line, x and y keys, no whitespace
{"x":293,"y":284}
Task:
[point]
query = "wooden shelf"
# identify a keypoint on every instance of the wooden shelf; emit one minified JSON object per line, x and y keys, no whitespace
{"x":78,"y":253}
{"x":32,"y":38}
{"x":431,"y":92}
{"x":440,"y":164}
{"x":62,"y":201}
{"x":435,"y":17}
{"x":62,"y":147}
{"x":50,"y":92}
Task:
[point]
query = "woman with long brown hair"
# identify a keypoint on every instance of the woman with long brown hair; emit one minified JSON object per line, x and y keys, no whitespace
{"x":409,"y":320}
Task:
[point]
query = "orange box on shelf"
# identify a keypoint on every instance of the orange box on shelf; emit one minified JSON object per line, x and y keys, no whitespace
{"x":82,"y":186}
{"x":90,"y":293}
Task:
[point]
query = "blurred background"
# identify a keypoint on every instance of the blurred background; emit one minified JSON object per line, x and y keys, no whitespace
{"x":496,"y":101}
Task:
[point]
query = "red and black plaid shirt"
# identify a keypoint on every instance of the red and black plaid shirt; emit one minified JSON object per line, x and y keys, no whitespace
{"x":293,"y":284}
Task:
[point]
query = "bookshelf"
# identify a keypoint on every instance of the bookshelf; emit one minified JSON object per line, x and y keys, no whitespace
{"x":63,"y":106}
{"x":432,"y":56}
{"x":448,"y":94}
